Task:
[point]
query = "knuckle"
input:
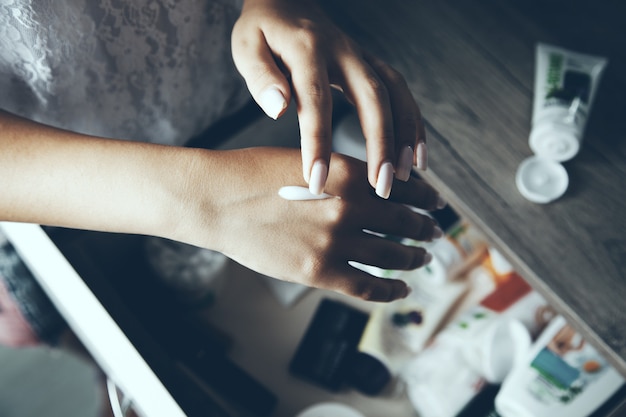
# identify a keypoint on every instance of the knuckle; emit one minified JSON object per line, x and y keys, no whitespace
{"x":314,"y":94}
{"x":306,"y":35}
{"x":312,"y":268}
{"x":338,"y":212}
{"x":315,"y":90}
{"x":375,"y":88}
{"x":394,"y":76}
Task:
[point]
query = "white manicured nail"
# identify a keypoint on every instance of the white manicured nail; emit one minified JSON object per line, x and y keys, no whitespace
{"x":441,"y":202}
{"x":272,"y":102}
{"x":385,"y":180}
{"x":319,"y":173}
{"x":405,"y":163}
{"x":422,"y":156}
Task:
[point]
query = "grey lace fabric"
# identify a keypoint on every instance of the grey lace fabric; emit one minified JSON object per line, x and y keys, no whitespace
{"x":149,"y":70}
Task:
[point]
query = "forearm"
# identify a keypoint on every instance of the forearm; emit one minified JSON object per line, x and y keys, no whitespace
{"x":49,"y":176}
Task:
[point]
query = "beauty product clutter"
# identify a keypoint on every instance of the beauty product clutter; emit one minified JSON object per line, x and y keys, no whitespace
{"x":472,"y":324}
{"x":472,"y":339}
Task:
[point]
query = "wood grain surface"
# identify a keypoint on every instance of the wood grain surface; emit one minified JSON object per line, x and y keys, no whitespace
{"x":470,"y":66}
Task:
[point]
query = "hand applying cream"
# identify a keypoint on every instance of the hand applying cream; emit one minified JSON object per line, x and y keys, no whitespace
{"x":297,"y":193}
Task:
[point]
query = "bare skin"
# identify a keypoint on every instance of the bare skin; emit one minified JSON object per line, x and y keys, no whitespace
{"x":228,"y":200}
{"x":221,"y":200}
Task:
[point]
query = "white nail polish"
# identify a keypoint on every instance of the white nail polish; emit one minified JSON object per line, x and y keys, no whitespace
{"x":319,"y":173}
{"x":422,"y":156}
{"x":405,"y":163}
{"x":272,"y":102}
{"x":385,"y":180}
{"x":441,"y":202}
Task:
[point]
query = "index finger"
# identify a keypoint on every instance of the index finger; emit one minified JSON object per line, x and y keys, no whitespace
{"x":311,"y":89}
{"x":370,"y":95}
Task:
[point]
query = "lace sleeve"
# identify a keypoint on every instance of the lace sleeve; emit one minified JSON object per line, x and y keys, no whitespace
{"x":150,"y":70}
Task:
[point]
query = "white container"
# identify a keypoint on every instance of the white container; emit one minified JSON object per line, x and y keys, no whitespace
{"x":415,"y":319}
{"x":561,"y":376}
{"x":565,"y":87}
{"x":451,"y":252}
{"x":566,"y":83}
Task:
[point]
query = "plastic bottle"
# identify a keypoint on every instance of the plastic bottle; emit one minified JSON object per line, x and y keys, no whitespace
{"x":562,"y":375}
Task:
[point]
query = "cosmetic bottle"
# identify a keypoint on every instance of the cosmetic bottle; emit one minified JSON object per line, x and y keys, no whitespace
{"x":562,"y":375}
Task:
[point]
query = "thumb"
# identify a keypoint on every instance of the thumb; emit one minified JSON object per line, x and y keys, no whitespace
{"x":266,"y":82}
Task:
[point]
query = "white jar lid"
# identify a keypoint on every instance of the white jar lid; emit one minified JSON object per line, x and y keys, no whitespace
{"x":541,"y":180}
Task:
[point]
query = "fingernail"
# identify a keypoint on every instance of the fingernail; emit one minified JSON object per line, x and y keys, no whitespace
{"x":422,"y":156}
{"x":428,"y":257}
{"x":405,"y":163}
{"x":407,"y":292}
{"x":437,"y":233}
{"x":272,"y":102}
{"x":441,"y":202}
{"x":317,"y":180}
{"x":385,"y":180}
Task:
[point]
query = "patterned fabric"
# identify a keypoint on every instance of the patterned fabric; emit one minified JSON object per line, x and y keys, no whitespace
{"x":150,"y":70}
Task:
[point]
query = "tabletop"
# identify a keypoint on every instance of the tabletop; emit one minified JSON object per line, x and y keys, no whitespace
{"x":470,"y":66}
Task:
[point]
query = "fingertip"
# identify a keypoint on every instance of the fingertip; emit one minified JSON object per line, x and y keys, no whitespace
{"x":441,"y":202}
{"x":422,"y":156}
{"x":273,"y":102}
{"x":437,"y":233}
{"x":318,"y":177}
{"x":400,"y":291}
{"x":409,"y":290}
{"x":384,"y":180}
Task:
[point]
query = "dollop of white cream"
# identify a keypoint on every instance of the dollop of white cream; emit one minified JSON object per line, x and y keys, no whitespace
{"x":297,"y":193}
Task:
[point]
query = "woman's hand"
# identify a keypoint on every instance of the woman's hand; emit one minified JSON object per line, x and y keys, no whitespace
{"x":222,"y":200}
{"x":233,"y":206}
{"x":289,"y":47}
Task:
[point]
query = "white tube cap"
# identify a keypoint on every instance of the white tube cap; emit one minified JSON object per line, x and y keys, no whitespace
{"x":558,"y":140}
{"x":541,"y":180}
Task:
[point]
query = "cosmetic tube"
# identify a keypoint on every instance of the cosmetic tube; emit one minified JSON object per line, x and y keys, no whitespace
{"x":565,"y":87}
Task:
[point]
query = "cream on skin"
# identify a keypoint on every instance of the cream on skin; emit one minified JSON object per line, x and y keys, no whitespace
{"x":297,"y":193}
